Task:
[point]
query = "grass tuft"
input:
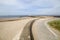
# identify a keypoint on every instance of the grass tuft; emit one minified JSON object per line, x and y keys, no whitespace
{"x":55,"y":24}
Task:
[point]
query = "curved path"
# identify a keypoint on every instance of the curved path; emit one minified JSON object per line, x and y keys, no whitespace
{"x":27,"y":32}
{"x":37,"y":30}
{"x":27,"y":29}
{"x":41,"y":32}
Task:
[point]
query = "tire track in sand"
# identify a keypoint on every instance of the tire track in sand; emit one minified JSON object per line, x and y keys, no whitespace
{"x":27,"y":31}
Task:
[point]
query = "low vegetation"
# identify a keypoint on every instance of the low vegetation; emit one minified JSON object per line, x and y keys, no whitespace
{"x":55,"y":24}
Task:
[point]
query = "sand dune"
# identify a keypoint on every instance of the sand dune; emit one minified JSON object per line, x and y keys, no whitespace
{"x":9,"y":29}
{"x":16,"y":29}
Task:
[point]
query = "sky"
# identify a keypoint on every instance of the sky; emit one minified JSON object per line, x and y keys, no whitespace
{"x":29,"y":7}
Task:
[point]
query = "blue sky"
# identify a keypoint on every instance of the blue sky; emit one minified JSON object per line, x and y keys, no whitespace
{"x":29,"y":7}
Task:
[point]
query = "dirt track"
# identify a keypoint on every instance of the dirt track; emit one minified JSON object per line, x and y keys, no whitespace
{"x":21,"y":29}
{"x":8,"y":30}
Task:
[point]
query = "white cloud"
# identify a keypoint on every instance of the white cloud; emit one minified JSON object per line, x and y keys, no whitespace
{"x":23,"y":4}
{"x":8,"y":2}
{"x":29,"y":7}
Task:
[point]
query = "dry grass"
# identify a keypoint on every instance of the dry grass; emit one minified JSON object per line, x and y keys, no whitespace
{"x":55,"y":24}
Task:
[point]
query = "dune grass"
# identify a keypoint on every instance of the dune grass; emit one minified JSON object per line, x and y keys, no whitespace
{"x":55,"y":24}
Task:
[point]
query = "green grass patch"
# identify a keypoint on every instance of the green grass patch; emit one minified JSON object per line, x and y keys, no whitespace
{"x":55,"y":24}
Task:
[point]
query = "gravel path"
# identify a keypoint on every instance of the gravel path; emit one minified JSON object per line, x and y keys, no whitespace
{"x":41,"y":32}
